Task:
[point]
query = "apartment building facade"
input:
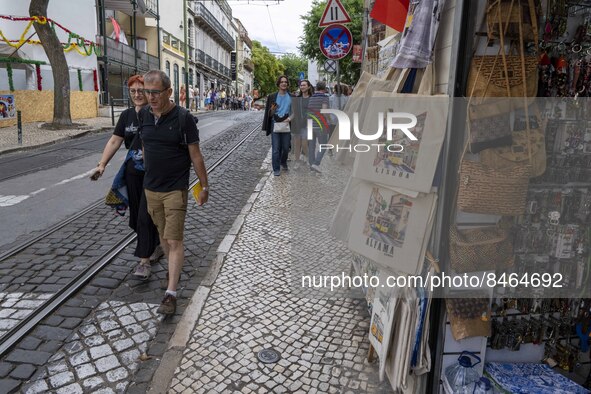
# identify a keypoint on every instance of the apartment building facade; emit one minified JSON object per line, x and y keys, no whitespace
{"x":128,"y":33}
{"x":244,"y":63}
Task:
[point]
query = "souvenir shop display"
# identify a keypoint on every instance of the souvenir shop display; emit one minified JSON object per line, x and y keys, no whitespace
{"x":540,"y":310}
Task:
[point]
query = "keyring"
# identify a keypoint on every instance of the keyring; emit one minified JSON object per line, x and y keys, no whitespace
{"x":576,"y":48}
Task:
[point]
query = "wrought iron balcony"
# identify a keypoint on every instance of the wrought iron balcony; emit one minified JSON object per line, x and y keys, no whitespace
{"x":205,"y":19}
{"x":126,"y":55}
{"x":248,"y":64}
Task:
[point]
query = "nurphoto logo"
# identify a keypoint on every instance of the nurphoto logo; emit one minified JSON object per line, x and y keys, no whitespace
{"x":393,"y":122}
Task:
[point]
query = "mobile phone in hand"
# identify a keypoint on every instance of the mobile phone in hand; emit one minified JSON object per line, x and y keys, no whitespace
{"x":95,"y":176}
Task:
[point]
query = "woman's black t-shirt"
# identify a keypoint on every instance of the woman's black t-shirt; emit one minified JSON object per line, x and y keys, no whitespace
{"x":128,"y":127}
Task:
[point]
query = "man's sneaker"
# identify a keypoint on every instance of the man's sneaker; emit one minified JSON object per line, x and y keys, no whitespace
{"x":316,"y":168}
{"x":142,"y":271}
{"x":157,"y":255}
{"x":285,"y":168}
{"x":276,"y":173}
{"x":168,"y":305}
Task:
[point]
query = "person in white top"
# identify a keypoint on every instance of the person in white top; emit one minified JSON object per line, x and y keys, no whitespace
{"x":191,"y":97}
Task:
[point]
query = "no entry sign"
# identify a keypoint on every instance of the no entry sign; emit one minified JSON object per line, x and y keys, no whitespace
{"x":335,"y":41}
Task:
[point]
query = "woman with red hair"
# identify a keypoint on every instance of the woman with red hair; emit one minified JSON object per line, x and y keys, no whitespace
{"x":128,"y":183}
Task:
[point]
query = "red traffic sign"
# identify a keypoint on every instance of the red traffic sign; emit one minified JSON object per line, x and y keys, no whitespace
{"x":334,"y":13}
{"x":335,"y":41}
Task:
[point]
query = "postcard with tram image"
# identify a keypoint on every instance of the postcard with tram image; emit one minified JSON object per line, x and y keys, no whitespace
{"x":391,"y":228}
{"x":406,"y":152}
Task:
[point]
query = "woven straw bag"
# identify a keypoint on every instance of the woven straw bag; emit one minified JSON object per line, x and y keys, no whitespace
{"x":480,"y":249}
{"x":483,"y":189}
{"x":487,"y":76}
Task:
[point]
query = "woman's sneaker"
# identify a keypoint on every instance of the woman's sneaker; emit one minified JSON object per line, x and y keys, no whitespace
{"x":142,"y":271}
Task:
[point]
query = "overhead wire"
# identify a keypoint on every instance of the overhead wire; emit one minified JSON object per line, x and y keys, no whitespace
{"x":273,"y":28}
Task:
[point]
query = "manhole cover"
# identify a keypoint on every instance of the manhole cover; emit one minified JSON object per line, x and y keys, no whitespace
{"x":268,"y":356}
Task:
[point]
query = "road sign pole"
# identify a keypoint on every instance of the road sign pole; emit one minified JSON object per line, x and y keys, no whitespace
{"x":339,"y":84}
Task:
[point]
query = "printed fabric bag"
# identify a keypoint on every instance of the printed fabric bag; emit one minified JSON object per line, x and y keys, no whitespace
{"x":480,"y":249}
{"x":489,"y":125}
{"x":483,"y":189}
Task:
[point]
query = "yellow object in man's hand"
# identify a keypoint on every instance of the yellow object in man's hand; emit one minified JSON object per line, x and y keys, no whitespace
{"x":196,"y":191}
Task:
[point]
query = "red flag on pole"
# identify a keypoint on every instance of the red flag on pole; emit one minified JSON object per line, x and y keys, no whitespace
{"x":391,"y":13}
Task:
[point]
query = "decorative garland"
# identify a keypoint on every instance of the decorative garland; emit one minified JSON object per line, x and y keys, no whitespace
{"x":10,"y":81}
{"x":79,"y":79}
{"x":38,"y":63}
{"x":39,"y":77}
{"x":83,"y":46}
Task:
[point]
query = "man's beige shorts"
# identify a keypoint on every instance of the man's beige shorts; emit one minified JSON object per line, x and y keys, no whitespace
{"x":168,"y":211}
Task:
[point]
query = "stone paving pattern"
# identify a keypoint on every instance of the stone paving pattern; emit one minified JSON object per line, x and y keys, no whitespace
{"x":253,"y":305}
{"x":232,"y":184}
{"x":106,"y":349}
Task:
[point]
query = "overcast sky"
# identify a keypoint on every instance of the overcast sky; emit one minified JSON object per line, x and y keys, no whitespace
{"x":285,"y":18}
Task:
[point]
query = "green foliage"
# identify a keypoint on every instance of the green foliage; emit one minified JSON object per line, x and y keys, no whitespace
{"x":267,"y":68}
{"x":293,"y":64}
{"x":309,"y":42}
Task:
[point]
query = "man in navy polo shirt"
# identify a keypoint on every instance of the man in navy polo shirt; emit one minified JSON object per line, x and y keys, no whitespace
{"x":171,"y":143}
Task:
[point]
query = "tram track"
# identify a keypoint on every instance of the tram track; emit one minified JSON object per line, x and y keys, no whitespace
{"x":19,"y":331}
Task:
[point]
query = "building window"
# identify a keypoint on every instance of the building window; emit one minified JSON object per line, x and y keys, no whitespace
{"x":168,"y":68}
{"x":176,"y":83}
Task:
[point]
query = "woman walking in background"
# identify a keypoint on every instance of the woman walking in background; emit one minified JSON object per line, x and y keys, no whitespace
{"x":300,"y":126}
{"x":276,"y":122}
{"x":131,"y":175}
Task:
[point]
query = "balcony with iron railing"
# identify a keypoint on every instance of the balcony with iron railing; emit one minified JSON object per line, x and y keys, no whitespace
{"x":208,"y":21}
{"x":152,"y":7}
{"x":211,"y":63}
{"x":248,"y":64}
{"x":126,"y":55}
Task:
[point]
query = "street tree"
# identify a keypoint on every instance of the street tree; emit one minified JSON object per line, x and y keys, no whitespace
{"x":267,"y":69}
{"x":309,"y":41}
{"x":59,"y":66}
{"x":293,"y":65}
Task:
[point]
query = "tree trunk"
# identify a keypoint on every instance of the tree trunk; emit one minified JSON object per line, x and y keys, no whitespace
{"x":59,"y":66}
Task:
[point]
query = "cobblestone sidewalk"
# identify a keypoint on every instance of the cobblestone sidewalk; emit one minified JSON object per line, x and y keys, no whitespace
{"x":252,"y":305}
{"x":34,"y":136}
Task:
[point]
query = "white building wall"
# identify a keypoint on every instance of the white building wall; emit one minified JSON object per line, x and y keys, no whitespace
{"x":171,"y":17}
{"x":78,"y":16}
